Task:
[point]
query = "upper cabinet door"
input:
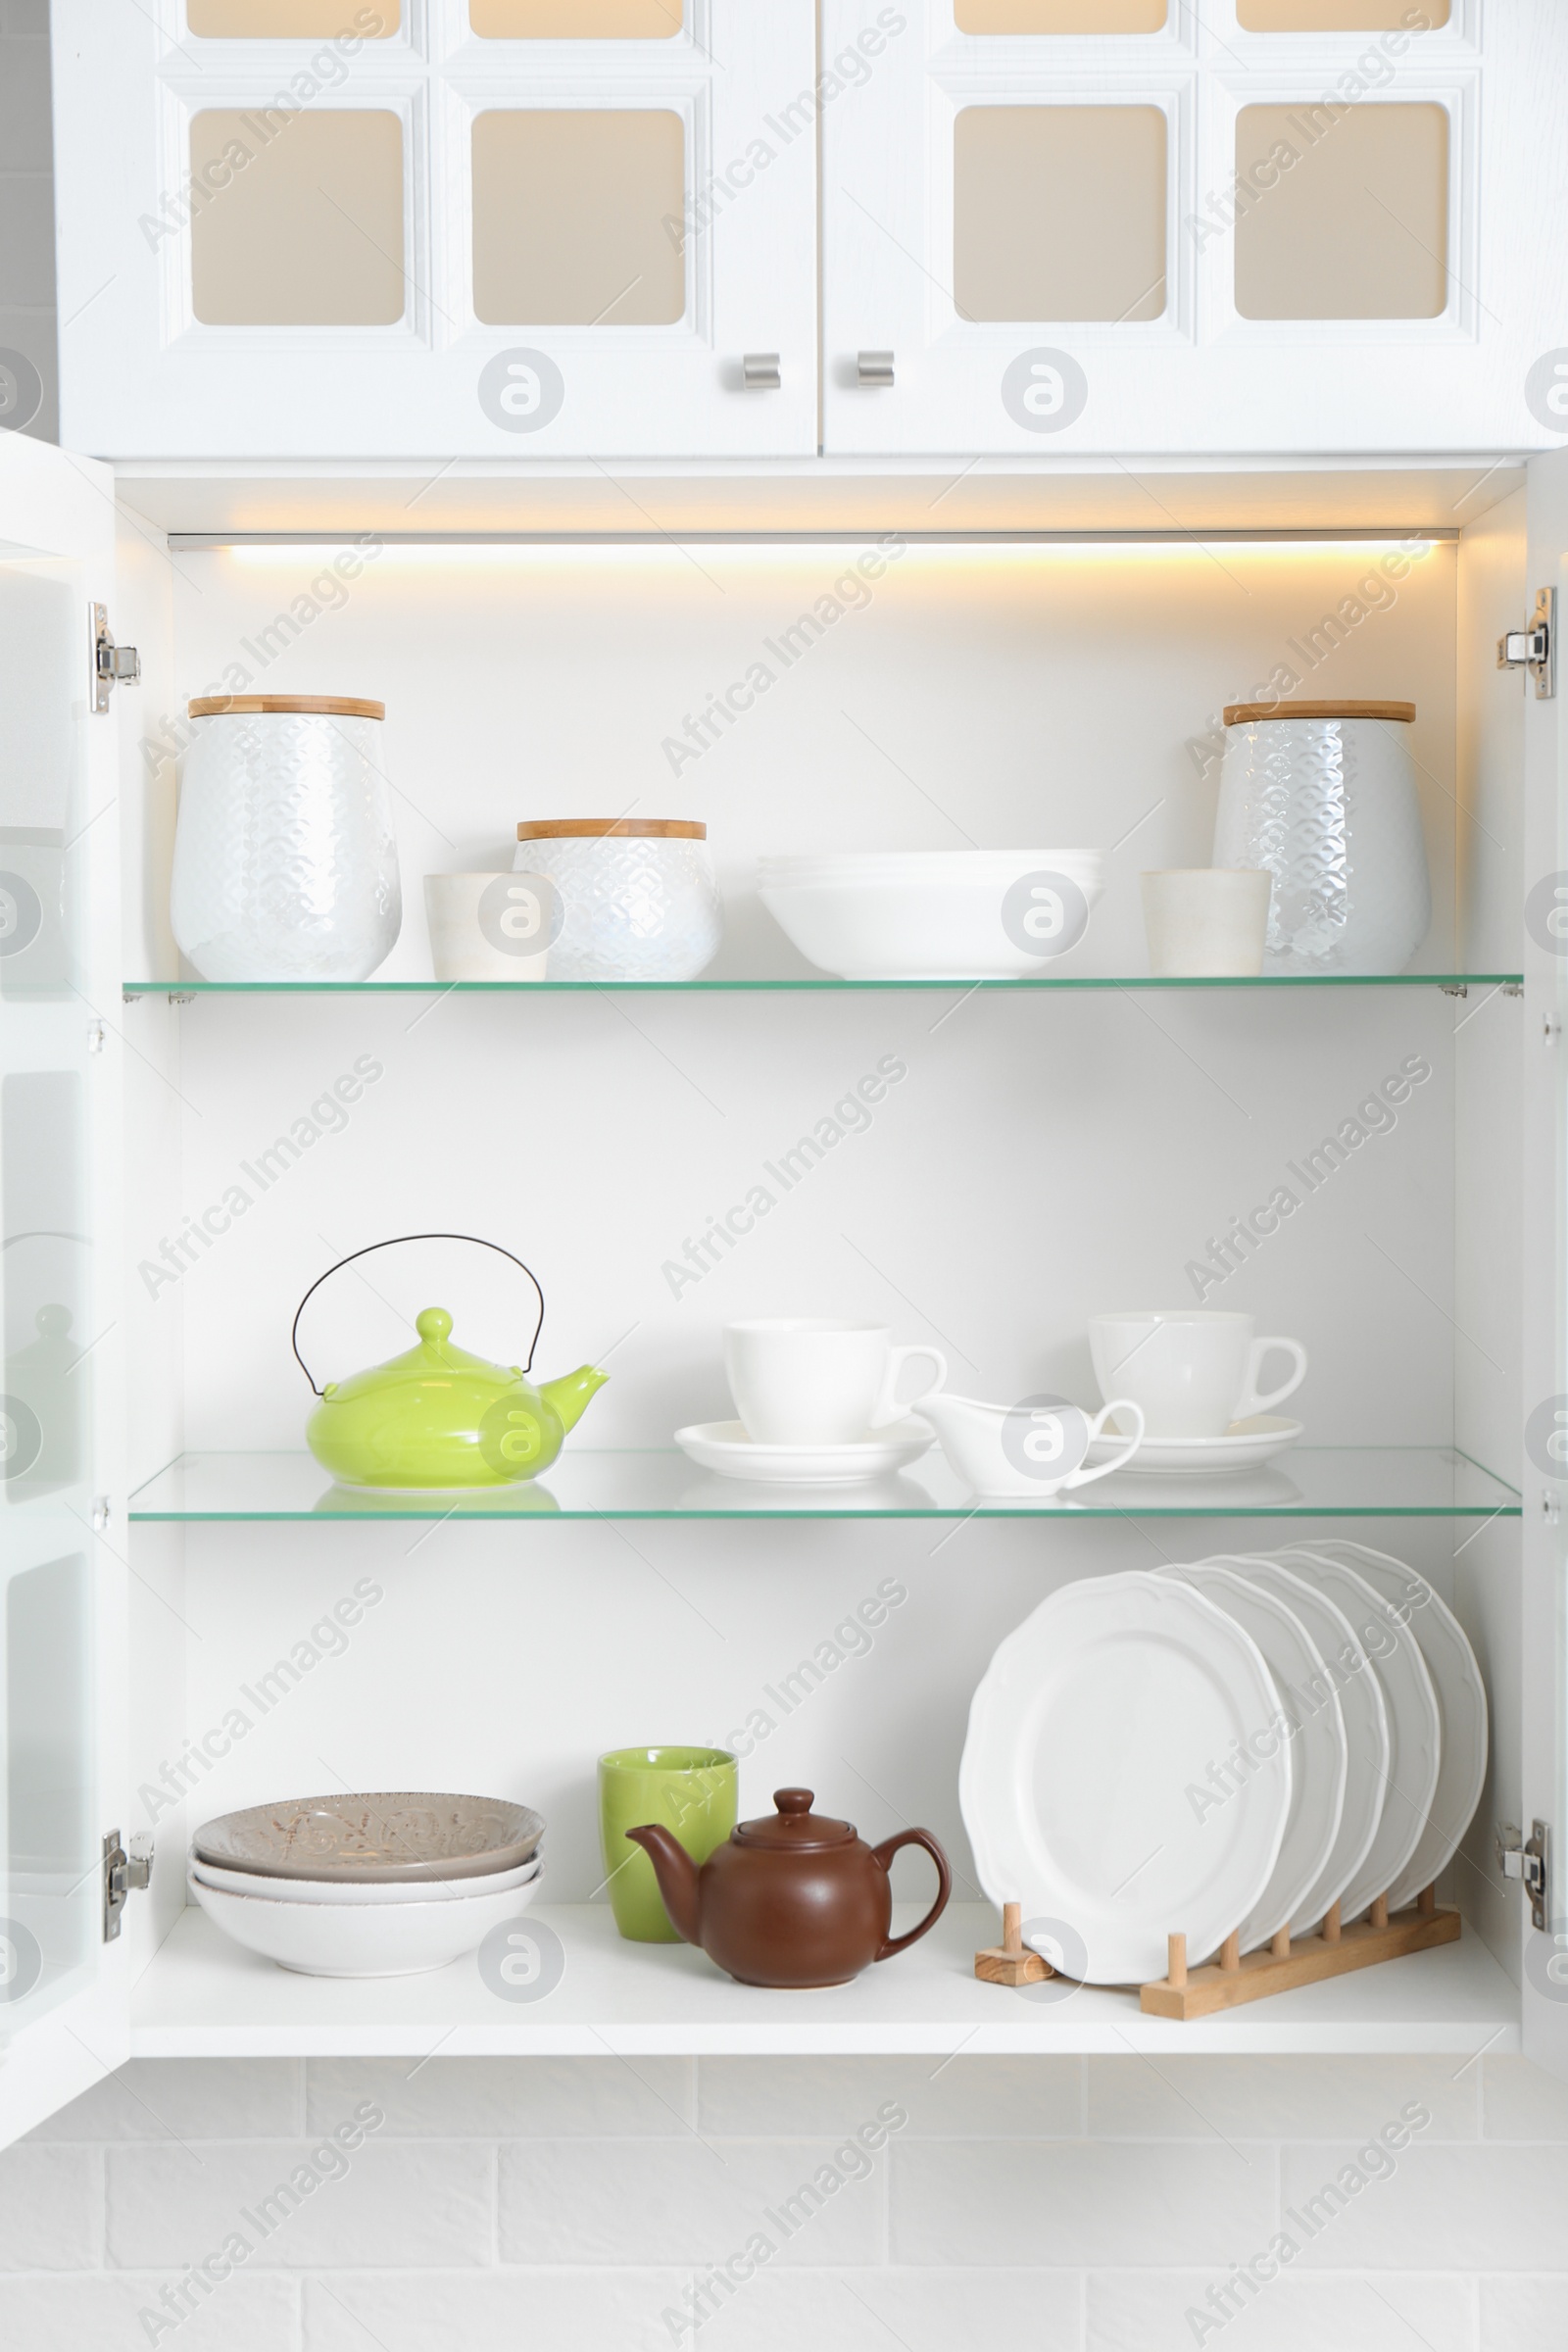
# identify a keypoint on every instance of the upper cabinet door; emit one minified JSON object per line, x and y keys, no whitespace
{"x":288,"y":228}
{"x":1137,"y":227}
{"x":64,"y":1991}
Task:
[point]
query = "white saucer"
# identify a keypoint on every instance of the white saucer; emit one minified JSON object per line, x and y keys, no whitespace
{"x":1245,"y":1444}
{"x":724,"y":1446}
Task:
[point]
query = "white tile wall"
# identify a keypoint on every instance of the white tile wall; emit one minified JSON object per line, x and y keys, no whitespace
{"x":1063,"y":2205}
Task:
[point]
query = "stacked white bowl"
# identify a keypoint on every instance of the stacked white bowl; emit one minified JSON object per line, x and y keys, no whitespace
{"x":380,"y":1884}
{"x":932,"y":915}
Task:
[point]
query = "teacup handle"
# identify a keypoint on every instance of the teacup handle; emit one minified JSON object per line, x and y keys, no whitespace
{"x":1121,"y":1404}
{"x":1251,"y":1401}
{"x":888,"y":1408}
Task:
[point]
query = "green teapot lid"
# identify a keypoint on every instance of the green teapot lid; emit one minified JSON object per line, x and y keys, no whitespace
{"x":434,"y":1356}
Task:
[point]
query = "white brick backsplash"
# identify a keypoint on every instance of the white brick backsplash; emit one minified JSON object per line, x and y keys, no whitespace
{"x":248,"y":2312}
{"x":188,"y":2098}
{"x":1522,"y":2315}
{"x":622,"y":2310}
{"x":1521,"y":2101}
{"x":508,"y":2098}
{"x":50,"y":2208}
{"x":1026,"y":2099}
{"x":1444,"y":2208}
{"x":1132,"y":2311}
{"x":404,"y":2203}
{"x":679,"y":2201}
{"x":1277,"y":2098}
{"x":1021,"y":2201}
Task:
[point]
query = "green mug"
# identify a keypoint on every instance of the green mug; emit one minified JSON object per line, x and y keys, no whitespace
{"x":692,"y":1790}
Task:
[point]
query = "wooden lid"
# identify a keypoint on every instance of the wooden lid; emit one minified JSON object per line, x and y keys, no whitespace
{"x":326,"y":706}
{"x":1243,"y":714}
{"x":595,"y":828}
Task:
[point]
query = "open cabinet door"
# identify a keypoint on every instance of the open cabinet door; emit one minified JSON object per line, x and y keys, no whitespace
{"x":1545,"y":1612}
{"x":64,"y":1988}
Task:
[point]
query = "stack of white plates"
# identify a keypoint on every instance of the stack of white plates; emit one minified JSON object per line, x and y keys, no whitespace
{"x":932,"y":915}
{"x":384,"y":1884}
{"x":1235,"y":1745}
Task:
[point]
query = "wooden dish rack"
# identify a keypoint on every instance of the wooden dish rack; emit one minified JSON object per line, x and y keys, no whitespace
{"x":1236,"y":1976}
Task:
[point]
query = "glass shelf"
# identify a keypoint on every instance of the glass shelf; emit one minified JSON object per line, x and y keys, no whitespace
{"x":1313,"y":1482}
{"x":721,"y":987}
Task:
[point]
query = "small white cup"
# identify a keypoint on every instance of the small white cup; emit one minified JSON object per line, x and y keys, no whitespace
{"x":1192,"y":1370}
{"x":491,"y":926}
{"x":800,"y":1381}
{"x":1206,"y":922}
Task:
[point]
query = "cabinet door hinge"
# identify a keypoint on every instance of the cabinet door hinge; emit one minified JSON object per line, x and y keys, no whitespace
{"x":123,"y":1874}
{"x":1529,"y":1861}
{"x":112,"y":665}
{"x":1535,"y":649}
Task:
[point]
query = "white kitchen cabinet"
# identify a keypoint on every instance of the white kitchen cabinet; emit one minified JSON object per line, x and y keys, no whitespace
{"x":1196,"y":234}
{"x":1050,"y":1149}
{"x":443,"y":227}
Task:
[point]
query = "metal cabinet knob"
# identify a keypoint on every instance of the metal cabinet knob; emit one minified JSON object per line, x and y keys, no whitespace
{"x":760,"y":371}
{"x":874,"y":367}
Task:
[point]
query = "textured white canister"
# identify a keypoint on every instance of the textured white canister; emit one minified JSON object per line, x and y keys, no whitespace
{"x":285,"y":859}
{"x":1322,"y":795}
{"x":639,"y":901}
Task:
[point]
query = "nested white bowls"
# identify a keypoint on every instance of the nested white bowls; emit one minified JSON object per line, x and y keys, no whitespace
{"x":932,"y":915}
{"x":375,"y":1890}
{"x":362,"y":1940}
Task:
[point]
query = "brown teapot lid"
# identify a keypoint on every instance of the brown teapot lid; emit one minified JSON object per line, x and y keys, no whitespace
{"x":795,"y":1825}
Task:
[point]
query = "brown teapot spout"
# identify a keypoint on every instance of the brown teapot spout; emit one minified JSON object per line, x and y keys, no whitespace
{"x":676,"y":1874}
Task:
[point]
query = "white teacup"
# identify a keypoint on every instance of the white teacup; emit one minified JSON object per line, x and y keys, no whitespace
{"x":1034,"y":1448}
{"x":491,"y":926}
{"x":799,"y":1381}
{"x":1193,"y":1370}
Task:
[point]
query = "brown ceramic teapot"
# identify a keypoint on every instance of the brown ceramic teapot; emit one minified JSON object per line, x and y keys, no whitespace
{"x":791,"y":1900}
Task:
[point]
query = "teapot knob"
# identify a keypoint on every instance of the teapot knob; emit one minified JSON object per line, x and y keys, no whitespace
{"x":794,"y":1800}
{"x":433,"y":1323}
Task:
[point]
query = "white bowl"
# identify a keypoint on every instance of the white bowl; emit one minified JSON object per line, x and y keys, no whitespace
{"x":348,"y":1940}
{"x":350,"y":1891}
{"x":958,"y":926}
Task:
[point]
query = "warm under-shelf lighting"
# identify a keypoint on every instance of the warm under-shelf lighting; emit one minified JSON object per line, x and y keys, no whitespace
{"x":519,"y":548}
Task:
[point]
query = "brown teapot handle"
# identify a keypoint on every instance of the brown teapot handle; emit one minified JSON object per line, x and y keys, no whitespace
{"x":884,"y":1854}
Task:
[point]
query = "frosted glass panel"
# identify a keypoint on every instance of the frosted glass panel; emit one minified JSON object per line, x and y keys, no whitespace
{"x":1061,"y":16}
{"x":293,"y":21}
{"x":1343,"y":211}
{"x":1059,"y":211}
{"x":570,"y":213}
{"x":575,"y":20}
{"x":1333,"y":15}
{"x":298,"y":220}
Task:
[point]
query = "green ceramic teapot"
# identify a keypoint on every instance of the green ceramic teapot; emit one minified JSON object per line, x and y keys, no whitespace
{"x":439,"y":1417}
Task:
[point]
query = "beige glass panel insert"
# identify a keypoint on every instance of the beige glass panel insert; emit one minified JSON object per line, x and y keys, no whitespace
{"x":298,"y":217}
{"x":1059,"y":211}
{"x":575,"y":20}
{"x":292,"y":20}
{"x":1343,"y":211}
{"x":570,"y":209}
{"x":1336,"y":16}
{"x":1061,"y":16}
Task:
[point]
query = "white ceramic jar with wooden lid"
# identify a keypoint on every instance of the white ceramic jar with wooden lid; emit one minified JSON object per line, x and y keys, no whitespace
{"x":285,"y":858}
{"x":639,"y":901}
{"x":1323,"y":797}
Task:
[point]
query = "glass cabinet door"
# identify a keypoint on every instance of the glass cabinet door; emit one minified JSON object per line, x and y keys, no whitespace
{"x":503,"y":228}
{"x":1133,"y":227}
{"x":63,"y":2002}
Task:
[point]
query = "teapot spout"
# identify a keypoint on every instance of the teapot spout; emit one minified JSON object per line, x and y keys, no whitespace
{"x":570,"y":1396}
{"x":676,"y":1874}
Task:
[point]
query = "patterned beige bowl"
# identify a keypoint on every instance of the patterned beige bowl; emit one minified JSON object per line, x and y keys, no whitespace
{"x":383,"y":1835}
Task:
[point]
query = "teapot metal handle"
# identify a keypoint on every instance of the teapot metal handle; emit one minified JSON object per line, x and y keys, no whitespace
{"x":884,"y":1854}
{"x":395,"y":1243}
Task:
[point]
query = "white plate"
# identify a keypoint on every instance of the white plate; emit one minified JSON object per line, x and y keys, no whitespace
{"x":1243,"y":1446}
{"x":1354,"y":1679}
{"x":341,"y":1940}
{"x":1312,"y":1723}
{"x":1093,"y":1721}
{"x":349,"y":1891}
{"x":724,"y":1446}
{"x":1461,"y":1695}
{"x":1415,"y":1730}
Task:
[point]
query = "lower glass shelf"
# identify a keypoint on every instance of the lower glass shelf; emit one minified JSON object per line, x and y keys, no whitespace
{"x":1455,"y":982}
{"x":1346,"y":1481}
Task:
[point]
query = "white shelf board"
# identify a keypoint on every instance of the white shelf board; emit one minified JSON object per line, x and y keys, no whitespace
{"x":203,"y":1997}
